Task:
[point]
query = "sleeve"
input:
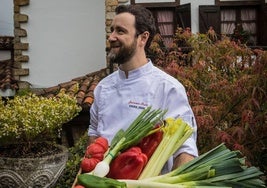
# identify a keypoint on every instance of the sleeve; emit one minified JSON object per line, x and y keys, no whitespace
{"x":178,"y":106}
{"x":92,"y":131}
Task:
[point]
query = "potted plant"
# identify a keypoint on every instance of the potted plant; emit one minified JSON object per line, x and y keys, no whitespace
{"x":29,"y":127}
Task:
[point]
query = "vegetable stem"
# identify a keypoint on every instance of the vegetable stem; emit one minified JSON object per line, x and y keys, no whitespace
{"x":138,"y":129}
{"x":175,"y":132}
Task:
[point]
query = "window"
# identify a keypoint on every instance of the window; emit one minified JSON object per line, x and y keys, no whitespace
{"x":165,"y":23}
{"x":169,"y":18}
{"x":240,"y":23}
{"x":235,"y":17}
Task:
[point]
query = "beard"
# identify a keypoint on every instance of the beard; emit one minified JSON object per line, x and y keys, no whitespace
{"x":124,"y":54}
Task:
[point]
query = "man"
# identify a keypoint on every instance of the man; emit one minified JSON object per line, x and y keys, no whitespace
{"x":137,"y":84}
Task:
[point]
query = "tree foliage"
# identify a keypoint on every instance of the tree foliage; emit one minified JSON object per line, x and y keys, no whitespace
{"x":226,"y":84}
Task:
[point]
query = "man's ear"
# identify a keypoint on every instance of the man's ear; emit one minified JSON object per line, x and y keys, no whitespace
{"x":144,"y":37}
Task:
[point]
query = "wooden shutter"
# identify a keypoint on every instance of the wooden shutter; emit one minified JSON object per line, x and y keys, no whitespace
{"x":183,"y":15}
{"x":209,"y":15}
{"x":262,"y":26}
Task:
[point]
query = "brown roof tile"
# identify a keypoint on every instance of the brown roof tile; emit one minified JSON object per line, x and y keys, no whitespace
{"x":7,"y":80}
{"x":7,"y":67}
{"x":81,"y":87}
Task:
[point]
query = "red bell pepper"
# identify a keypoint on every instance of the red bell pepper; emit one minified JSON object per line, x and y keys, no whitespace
{"x":150,"y":143}
{"x":128,"y":165}
{"x":94,"y":154}
{"x":103,"y":142}
{"x":88,"y":164}
{"x":97,"y":149}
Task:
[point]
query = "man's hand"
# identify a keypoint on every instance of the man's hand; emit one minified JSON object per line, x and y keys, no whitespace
{"x":182,"y":159}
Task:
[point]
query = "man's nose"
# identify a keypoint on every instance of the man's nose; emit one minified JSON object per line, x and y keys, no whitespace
{"x":112,"y":36}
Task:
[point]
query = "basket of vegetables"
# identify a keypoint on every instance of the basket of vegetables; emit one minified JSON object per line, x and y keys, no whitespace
{"x":137,"y":155}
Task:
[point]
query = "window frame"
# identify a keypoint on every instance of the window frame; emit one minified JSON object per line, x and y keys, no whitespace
{"x":154,"y":11}
{"x":261,"y":13}
{"x":158,"y":4}
{"x":175,"y":7}
{"x":238,"y":3}
{"x":237,"y":10}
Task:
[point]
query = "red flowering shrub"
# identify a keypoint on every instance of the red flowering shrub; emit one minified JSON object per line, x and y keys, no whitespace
{"x":227,"y":89}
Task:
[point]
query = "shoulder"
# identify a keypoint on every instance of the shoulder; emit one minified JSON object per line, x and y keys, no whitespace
{"x":108,"y":80}
{"x":163,"y":77}
{"x":106,"y":83}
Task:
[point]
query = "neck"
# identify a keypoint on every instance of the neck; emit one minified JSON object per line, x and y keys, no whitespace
{"x":134,"y":63}
{"x":138,"y":60}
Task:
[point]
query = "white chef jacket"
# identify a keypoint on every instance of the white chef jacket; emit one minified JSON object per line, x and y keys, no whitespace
{"x":119,"y":100}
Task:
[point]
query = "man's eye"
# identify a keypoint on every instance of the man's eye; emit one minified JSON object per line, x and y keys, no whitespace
{"x":120,"y":31}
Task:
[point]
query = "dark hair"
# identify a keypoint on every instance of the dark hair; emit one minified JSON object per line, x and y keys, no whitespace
{"x":144,"y":20}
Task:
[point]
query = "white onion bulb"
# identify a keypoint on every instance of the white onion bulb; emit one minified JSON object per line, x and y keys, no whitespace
{"x":101,"y":169}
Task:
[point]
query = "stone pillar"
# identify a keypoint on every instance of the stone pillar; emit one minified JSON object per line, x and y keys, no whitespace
{"x":110,"y":13}
{"x":19,"y":46}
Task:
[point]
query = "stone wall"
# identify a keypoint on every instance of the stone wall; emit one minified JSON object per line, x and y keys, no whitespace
{"x":110,"y":12}
{"x":19,"y":46}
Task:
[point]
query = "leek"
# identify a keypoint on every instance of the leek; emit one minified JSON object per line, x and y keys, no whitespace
{"x":146,"y":184}
{"x":219,"y":167}
{"x":175,"y":133}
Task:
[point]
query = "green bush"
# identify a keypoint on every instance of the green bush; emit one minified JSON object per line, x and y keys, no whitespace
{"x":73,"y":164}
{"x":29,"y":118}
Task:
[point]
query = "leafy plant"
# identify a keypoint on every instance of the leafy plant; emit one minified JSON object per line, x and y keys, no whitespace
{"x":240,"y":35}
{"x":227,"y":89}
{"x":76,"y":154}
{"x":29,"y":118}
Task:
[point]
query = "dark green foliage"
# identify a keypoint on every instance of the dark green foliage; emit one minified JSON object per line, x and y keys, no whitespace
{"x":73,"y":164}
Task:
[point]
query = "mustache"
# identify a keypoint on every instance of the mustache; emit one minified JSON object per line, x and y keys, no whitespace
{"x":115,"y":44}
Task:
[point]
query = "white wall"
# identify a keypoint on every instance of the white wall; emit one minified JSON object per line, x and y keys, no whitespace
{"x":66,"y":40}
{"x":6,"y":24}
{"x":6,"y":18}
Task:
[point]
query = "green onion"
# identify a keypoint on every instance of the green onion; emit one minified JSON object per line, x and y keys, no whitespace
{"x":138,"y":129}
